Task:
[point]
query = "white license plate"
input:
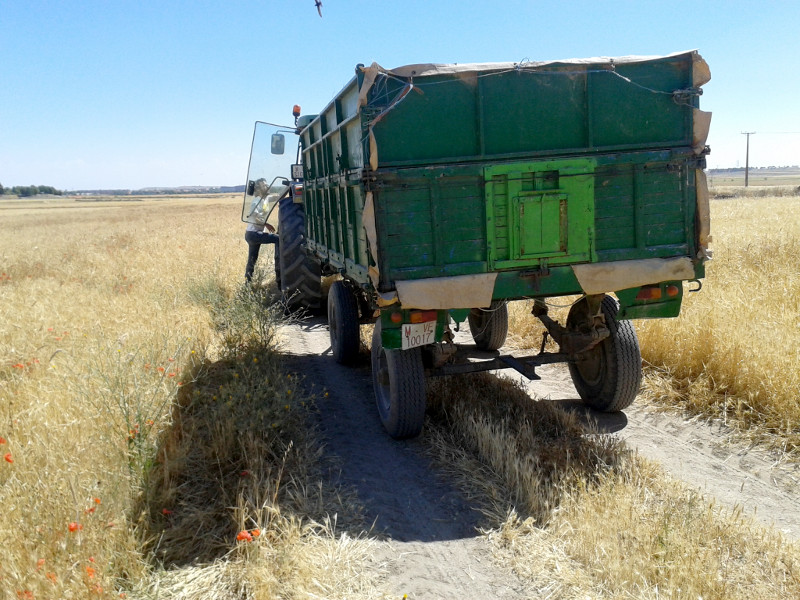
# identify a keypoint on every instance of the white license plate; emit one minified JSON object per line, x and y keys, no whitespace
{"x":418,"y":334}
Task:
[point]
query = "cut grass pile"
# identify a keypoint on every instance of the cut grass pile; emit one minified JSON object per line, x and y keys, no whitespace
{"x":577,"y":515}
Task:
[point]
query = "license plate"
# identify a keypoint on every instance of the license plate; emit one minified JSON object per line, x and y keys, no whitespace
{"x":418,"y":334}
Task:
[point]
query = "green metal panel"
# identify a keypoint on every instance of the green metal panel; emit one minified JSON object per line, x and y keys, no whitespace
{"x":427,"y":126}
{"x":540,"y":211}
{"x":534,"y":112}
{"x":556,"y":281}
{"x":644,"y":209}
{"x":430,"y":222}
{"x":538,"y":110}
{"x":521,"y":171}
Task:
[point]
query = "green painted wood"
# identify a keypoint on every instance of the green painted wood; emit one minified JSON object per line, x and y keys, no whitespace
{"x":540,"y":210}
{"x":547,"y":110}
{"x":519,"y":172}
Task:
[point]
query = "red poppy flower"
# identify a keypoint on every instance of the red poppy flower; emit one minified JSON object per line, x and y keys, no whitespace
{"x":8,"y":457}
{"x":244,"y":536}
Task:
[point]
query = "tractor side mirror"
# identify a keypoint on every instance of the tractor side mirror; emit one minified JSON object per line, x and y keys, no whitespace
{"x":278,"y":143}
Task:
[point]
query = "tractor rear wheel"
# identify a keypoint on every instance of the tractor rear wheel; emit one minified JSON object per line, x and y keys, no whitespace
{"x":300,"y":274}
{"x":398,"y":378}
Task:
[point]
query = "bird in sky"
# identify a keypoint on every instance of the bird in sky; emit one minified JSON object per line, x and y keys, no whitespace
{"x":318,"y":4}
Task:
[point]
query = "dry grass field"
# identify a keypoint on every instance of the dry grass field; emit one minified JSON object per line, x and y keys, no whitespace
{"x":734,"y":351}
{"x":154,"y":447}
{"x":145,"y":421}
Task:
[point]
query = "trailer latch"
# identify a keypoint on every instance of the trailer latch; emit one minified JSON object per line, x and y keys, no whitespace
{"x":684,"y":96}
{"x":536,"y":274}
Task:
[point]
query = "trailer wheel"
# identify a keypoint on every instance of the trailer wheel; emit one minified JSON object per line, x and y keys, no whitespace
{"x":608,"y":376}
{"x":398,"y":379}
{"x":489,"y":326}
{"x":343,"y":323}
{"x":300,"y":274}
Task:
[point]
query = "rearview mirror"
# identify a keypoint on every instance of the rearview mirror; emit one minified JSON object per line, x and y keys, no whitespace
{"x":278,"y":143}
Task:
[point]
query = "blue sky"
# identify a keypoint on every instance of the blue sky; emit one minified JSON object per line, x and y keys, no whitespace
{"x":119,"y":94}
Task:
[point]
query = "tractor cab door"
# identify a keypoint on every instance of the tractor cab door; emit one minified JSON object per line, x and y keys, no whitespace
{"x":272,"y":155}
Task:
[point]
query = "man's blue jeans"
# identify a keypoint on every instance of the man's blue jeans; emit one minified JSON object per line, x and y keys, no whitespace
{"x":254,"y":240}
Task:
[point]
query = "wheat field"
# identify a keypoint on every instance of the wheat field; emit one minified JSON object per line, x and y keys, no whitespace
{"x":154,"y":447}
{"x":733,"y":352}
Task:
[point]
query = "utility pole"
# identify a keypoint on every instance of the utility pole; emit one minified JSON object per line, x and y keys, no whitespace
{"x":747,"y":157}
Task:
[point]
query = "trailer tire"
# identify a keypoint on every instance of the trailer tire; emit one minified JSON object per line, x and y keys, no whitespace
{"x":489,"y":326}
{"x":608,"y":376}
{"x":343,"y":323}
{"x":398,"y":378}
{"x":300,"y":273}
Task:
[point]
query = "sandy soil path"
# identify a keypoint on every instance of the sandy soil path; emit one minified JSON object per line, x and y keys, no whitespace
{"x":429,"y":545}
{"x":706,"y":456}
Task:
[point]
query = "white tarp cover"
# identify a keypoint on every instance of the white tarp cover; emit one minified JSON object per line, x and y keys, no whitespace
{"x":701,"y":123}
{"x":599,"y":278}
{"x":461,"y":291}
{"x":703,"y":215}
{"x":702,"y":74}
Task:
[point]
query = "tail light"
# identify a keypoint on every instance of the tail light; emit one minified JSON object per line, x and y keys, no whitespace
{"x":422,"y":316}
{"x":297,"y":190}
{"x":649,"y":292}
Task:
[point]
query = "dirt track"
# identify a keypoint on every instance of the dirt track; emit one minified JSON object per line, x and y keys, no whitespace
{"x":431,"y":548}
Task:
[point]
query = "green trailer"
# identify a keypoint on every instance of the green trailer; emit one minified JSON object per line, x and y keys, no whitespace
{"x":439,"y":193}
